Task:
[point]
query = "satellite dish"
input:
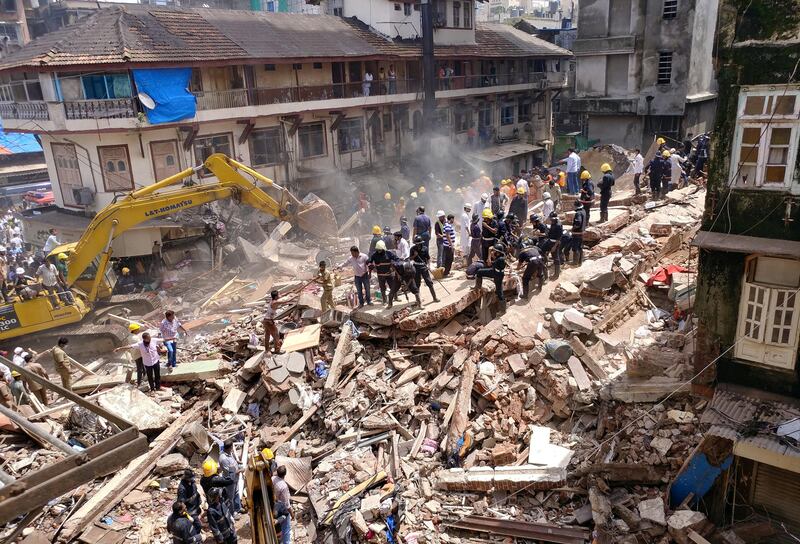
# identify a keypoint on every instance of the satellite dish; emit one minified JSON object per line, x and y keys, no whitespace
{"x":146,"y":101}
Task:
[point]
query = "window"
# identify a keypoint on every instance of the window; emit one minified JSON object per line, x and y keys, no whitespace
{"x":297,"y":66}
{"x":485,"y":115}
{"x":317,"y":66}
{"x":166,"y":161}
{"x":768,"y":312}
{"x":9,"y":30}
{"x":68,"y":172}
{"x":406,"y":9}
{"x":664,"y":68}
{"x":670,"y":9}
{"x":507,"y":115}
{"x":467,"y":14}
{"x":20,"y":87}
{"x":9,"y":5}
{"x":196,"y":81}
{"x":462,"y":119}
{"x":266,"y":146}
{"x":524,"y":111}
{"x":456,"y":14}
{"x":338,"y":12}
{"x":537,"y":65}
{"x":766,"y":138}
{"x":351,"y":135}
{"x":387,"y":122}
{"x":205,"y":146}
{"x":271,"y":6}
{"x":397,"y":7}
{"x":116,"y":167}
{"x":269,"y":67}
{"x":312,"y":140}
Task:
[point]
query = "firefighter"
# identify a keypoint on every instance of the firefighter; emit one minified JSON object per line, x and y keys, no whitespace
{"x":189,"y":496}
{"x":488,"y":233}
{"x":181,"y":526}
{"x":419,"y":258}
{"x":220,"y":519}
{"x":376,"y":237}
{"x":381,"y":262}
{"x":531,"y":257}
{"x":495,"y":270}
{"x":586,"y":196}
{"x":404,"y":275}
{"x":605,"y":190}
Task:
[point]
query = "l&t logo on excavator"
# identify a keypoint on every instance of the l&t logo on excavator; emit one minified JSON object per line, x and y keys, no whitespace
{"x":166,"y":209}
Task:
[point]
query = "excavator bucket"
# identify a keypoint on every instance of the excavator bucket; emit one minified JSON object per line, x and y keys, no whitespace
{"x":316,"y":217}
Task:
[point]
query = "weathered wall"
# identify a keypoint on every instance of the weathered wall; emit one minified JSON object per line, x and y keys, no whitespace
{"x":699,"y":117}
{"x":594,"y":19}
{"x":624,"y":130}
{"x":701,"y":66}
{"x":591,"y":76}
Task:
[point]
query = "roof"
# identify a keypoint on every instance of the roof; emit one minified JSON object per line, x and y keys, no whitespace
{"x":134,"y":34}
{"x":503,"y":151}
{"x":736,"y":243}
{"x":755,"y":422}
{"x":17,"y":142}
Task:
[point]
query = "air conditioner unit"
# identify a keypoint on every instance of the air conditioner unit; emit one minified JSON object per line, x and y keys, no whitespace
{"x":83,"y":196}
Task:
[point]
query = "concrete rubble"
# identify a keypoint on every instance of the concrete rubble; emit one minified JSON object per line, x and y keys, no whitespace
{"x":408,"y":419}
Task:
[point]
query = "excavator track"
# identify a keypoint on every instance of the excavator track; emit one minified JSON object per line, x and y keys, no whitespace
{"x":85,"y":339}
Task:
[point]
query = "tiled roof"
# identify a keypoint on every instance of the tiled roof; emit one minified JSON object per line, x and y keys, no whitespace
{"x":131,"y":34}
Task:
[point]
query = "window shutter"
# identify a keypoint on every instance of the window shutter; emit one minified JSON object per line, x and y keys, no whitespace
{"x":754,"y":308}
{"x":782,"y":327}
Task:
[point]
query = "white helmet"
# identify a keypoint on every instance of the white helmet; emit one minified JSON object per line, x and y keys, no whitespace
{"x":440,"y":213}
{"x":545,"y":195}
{"x":18,"y":350}
{"x":2,"y":249}
{"x":23,"y":354}
{"x":467,"y":205}
{"x":20,"y":270}
{"x":484,"y":197}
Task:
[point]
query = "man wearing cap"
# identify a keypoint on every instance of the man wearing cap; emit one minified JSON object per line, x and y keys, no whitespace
{"x":519,"y":205}
{"x":605,"y":190}
{"x":479,"y":206}
{"x":62,"y":363}
{"x":220,"y":519}
{"x":578,"y":228}
{"x":405,"y":230}
{"x":466,"y":219}
{"x":133,"y":353}
{"x":586,"y":196}
{"x":488,"y":233}
{"x":422,"y":226}
{"x":419,"y":258}
{"x":125,"y":283}
{"x":388,"y":238}
{"x":531,"y":258}
{"x":495,"y":270}
{"x":552,"y":243}
{"x":188,"y":495}
{"x":18,"y":390}
{"x":402,"y":248}
{"x":18,"y":358}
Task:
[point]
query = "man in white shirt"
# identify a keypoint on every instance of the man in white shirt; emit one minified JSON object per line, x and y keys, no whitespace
{"x":522,"y":183}
{"x":401,"y":247}
{"x":151,"y":354}
{"x":479,"y":206}
{"x":466,"y":219}
{"x":637,"y":163}
{"x":573,"y":162}
{"x":367,"y":83}
{"x":52,"y":242}
{"x":18,"y":358}
{"x":48,"y":273}
{"x":548,"y":206}
{"x":358,"y":261}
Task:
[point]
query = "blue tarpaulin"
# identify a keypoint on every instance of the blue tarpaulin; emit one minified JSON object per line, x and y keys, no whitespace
{"x":18,"y":142}
{"x":697,"y":477}
{"x":169,"y":89}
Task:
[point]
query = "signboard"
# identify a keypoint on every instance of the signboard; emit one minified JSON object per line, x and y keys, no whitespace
{"x":8,"y":318}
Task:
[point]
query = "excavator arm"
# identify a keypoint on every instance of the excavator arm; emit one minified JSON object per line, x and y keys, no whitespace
{"x":170,"y":195}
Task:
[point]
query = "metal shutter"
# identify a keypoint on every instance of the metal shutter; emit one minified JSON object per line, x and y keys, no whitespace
{"x":777,"y":491}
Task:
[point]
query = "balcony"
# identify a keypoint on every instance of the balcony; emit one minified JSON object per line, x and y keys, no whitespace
{"x":612,"y":45}
{"x":112,"y":108}
{"x":24,"y":110}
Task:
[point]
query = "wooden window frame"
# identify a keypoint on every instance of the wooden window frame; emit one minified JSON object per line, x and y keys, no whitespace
{"x":153,"y":157}
{"x":324,"y":141}
{"x":202,"y":173}
{"x":251,"y":139}
{"x":53,"y":145}
{"x":103,"y":169}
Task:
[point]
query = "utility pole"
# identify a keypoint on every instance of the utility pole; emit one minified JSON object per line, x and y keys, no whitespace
{"x":428,"y":73}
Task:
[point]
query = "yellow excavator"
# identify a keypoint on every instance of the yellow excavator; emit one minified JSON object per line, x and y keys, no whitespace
{"x":91,"y":279}
{"x":259,"y":500}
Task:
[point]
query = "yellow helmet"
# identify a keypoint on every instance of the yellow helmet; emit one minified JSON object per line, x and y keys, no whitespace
{"x":15,"y":374}
{"x":447,"y":189}
{"x":267,"y":454}
{"x":126,"y":271}
{"x":387,"y":196}
{"x":661,"y":141}
{"x":210,"y":467}
{"x":666,"y":154}
{"x":521,"y":191}
{"x":376,"y":230}
{"x":133,"y":327}
{"x":487,"y":213}
{"x":62,"y":256}
{"x":421,"y":189}
{"x":605,"y":167}
{"x":586,"y":175}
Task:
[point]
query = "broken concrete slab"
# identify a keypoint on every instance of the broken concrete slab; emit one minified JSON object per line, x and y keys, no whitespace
{"x":302,"y":338}
{"x":130,"y":403}
{"x":576,"y":321}
{"x":195,"y":370}
{"x":661,"y":445}
{"x":514,"y":478}
{"x":601,"y":507}
{"x":682,"y":522}
{"x":171,"y":463}
{"x":653,"y":510}
{"x":233,"y":400}
{"x":652,"y":390}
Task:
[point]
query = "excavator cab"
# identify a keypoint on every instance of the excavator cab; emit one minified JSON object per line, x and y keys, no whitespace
{"x":86,"y":281}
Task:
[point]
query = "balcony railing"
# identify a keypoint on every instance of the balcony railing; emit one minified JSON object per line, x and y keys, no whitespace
{"x":24,"y":110}
{"x":112,"y":108}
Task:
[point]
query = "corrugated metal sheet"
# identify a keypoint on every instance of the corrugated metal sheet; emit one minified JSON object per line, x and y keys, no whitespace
{"x":777,"y":491}
{"x":748,"y":420}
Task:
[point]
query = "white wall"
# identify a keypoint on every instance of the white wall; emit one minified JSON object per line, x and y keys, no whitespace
{"x":591,"y":76}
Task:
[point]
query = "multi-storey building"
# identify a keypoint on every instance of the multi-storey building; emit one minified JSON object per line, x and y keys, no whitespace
{"x":748,"y":288}
{"x":644,"y":67}
{"x":288,"y":94}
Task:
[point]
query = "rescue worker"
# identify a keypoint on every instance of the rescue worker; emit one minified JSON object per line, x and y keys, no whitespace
{"x":358,"y":261}
{"x":637,"y":164}
{"x":270,"y":327}
{"x":404,"y":275}
{"x":488,"y":233}
{"x":701,"y":155}
{"x":508,"y":189}
{"x":381,"y":262}
{"x":283,"y":504}
{"x":325,"y":279}
{"x":438,"y":231}
{"x":531,"y":257}
{"x":658,"y":169}
{"x":448,"y":243}
{"x":220,"y":520}
{"x":507,"y":230}
{"x":181,"y":526}
{"x":519,"y":204}
{"x":419,"y":258}
{"x":189,"y":496}
{"x":667,"y":175}
{"x":551,"y":244}
{"x":62,"y":363}
{"x":576,"y":235}
{"x":37,"y":389}
{"x":135,"y":355}
{"x":539,"y":229}
{"x":18,"y":391}
{"x":555,"y":193}
{"x":464,"y":227}
{"x":388,"y":238}
{"x":480,"y":205}
{"x":496,"y":202}
{"x":231,"y":469}
{"x":422,"y":227}
{"x":211,"y":478}
{"x":404,"y":228}
{"x":662,"y":145}
{"x":63,"y":272}
{"x":586,"y":196}
{"x":125,"y":283}
{"x":376,"y":237}
{"x":605,"y":190}
{"x":495,"y":270}
{"x":474,"y":238}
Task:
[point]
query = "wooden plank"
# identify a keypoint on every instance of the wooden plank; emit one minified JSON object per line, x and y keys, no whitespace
{"x":423,"y":428}
{"x":128,"y":478}
{"x":463,"y":403}
{"x":395,"y":440}
{"x":219,"y":292}
{"x":296,"y":427}
{"x":696,"y":538}
{"x":303,"y":338}
{"x":339,"y":355}
{"x":357,"y":490}
{"x":262,"y":290}
{"x":575,"y":366}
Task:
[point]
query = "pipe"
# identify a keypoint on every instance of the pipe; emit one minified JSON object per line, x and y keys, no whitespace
{"x":38,"y":433}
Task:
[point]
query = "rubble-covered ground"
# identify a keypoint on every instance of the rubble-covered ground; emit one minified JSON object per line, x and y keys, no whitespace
{"x":567,"y":414}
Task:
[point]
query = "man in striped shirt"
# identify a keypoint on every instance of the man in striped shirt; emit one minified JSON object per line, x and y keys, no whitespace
{"x":448,"y":243}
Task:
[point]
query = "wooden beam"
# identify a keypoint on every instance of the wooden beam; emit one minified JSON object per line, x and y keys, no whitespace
{"x":296,"y":427}
{"x":248,"y":128}
{"x":37,"y":433}
{"x":138,"y":469}
{"x":357,"y":490}
{"x":339,"y":355}
{"x":463,"y":401}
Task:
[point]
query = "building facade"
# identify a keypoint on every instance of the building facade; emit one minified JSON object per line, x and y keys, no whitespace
{"x":644,"y":67}
{"x":297,"y":104}
{"x":748,"y":289}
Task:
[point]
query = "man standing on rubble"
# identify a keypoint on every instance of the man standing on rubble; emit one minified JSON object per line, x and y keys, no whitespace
{"x":388,"y":238}
{"x":422,"y":227}
{"x":586,"y":196}
{"x":488,"y":233}
{"x":358,"y":261}
{"x":381,"y":262}
{"x":271,"y":314}
{"x":573,"y":162}
{"x":62,"y":363}
{"x":181,"y":526}
{"x":404,"y":229}
{"x":552,"y":243}
{"x":231,"y":469}
{"x":448,"y":243}
{"x":495,"y":270}
{"x":376,"y":237}
{"x":605,"y":190}
{"x":404,"y":275}
{"x":438,"y":231}
{"x":496,"y":201}
{"x":402,"y":248}
{"x":169,"y":328}
{"x":659,"y":170}
{"x":578,"y":228}
{"x":464,"y":227}
{"x":220,"y":520}
{"x":531,"y":257}
{"x":283,"y":504}
{"x":637,"y":164}
{"x":480,"y":205}
{"x":150,"y":352}
{"x":519,"y":204}
{"x":419,"y":258}
{"x":325,"y":279}
{"x":37,"y":389}
{"x":190,"y":497}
